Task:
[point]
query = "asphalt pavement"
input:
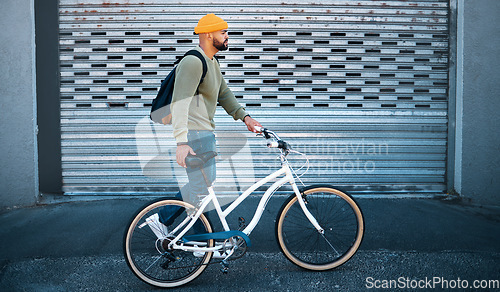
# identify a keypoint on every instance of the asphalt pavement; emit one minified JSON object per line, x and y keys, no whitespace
{"x":75,"y":244}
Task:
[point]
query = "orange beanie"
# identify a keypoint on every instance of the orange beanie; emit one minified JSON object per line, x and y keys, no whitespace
{"x":210,"y":23}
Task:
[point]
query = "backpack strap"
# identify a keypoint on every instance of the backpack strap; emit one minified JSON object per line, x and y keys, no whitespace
{"x":203,"y":62}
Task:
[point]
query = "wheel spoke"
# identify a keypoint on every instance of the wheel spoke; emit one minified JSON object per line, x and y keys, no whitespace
{"x":333,"y":248}
{"x":152,"y":264}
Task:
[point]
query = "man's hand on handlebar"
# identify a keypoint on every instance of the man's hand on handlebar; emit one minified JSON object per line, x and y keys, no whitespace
{"x":252,"y":124}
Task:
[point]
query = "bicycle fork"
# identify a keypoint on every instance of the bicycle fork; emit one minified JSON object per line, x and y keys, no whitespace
{"x":309,"y":216}
{"x":301,"y":200}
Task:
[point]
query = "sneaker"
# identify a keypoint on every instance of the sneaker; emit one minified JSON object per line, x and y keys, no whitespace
{"x":216,"y":255}
{"x":158,"y":228}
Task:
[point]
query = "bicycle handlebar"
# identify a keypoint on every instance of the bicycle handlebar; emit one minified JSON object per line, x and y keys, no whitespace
{"x":270,"y":134}
{"x":267,"y":134}
{"x":284,"y":148}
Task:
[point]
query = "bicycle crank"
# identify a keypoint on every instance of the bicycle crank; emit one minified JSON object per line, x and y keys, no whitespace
{"x":238,"y":249}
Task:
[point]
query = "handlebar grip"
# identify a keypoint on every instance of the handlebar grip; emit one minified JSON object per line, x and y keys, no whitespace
{"x":278,"y":144}
{"x":263,"y":131}
{"x":259,"y":129}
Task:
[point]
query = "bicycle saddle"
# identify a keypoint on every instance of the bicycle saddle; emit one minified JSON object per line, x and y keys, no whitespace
{"x":199,"y":160}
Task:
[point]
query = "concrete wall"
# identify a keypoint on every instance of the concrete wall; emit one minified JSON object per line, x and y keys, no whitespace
{"x":478,"y":101}
{"x":18,"y":147}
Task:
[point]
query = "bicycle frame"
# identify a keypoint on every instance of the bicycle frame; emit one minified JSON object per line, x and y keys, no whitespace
{"x":211,"y":197}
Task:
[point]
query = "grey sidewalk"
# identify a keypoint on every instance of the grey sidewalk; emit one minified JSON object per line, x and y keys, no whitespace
{"x":77,"y":246}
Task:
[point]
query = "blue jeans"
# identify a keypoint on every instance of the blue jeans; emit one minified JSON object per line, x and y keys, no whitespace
{"x":200,"y":142}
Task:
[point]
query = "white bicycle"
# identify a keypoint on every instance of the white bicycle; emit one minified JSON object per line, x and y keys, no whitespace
{"x":317,"y":228}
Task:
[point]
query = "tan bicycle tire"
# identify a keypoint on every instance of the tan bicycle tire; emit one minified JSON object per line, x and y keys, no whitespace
{"x":130,"y":258}
{"x":284,"y":215}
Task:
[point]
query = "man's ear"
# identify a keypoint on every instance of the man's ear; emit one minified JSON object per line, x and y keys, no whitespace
{"x":204,"y":36}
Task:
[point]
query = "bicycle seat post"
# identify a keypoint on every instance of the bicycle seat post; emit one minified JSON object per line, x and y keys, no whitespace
{"x":205,"y":177}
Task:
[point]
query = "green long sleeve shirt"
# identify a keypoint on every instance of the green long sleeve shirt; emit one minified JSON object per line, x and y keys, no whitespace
{"x":196,"y":112}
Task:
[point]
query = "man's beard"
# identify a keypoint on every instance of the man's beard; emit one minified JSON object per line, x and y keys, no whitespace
{"x":220,"y":46}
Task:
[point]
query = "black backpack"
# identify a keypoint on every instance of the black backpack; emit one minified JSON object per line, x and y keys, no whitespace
{"x":160,"y":109}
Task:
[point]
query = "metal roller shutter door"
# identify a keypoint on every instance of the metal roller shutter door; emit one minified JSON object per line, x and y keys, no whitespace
{"x":361,"y":86}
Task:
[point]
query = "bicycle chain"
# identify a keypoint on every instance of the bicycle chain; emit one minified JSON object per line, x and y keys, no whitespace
{"x":192,"y":266}
{"x":169,"y":256}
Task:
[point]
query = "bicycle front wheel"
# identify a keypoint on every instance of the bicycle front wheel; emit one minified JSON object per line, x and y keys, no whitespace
{"x":146,"y":246}
{"x":338,"y":215}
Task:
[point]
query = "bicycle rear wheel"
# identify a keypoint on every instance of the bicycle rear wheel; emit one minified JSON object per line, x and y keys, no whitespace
{"x":146,"y":247}
{"x":336,"y":212}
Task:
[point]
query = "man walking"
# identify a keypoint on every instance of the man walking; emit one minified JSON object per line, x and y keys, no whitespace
{"x":192,"y":116}
{"x":193,"y":108}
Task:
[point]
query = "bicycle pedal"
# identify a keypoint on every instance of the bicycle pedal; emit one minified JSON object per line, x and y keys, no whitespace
{"x":225,"y":267}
